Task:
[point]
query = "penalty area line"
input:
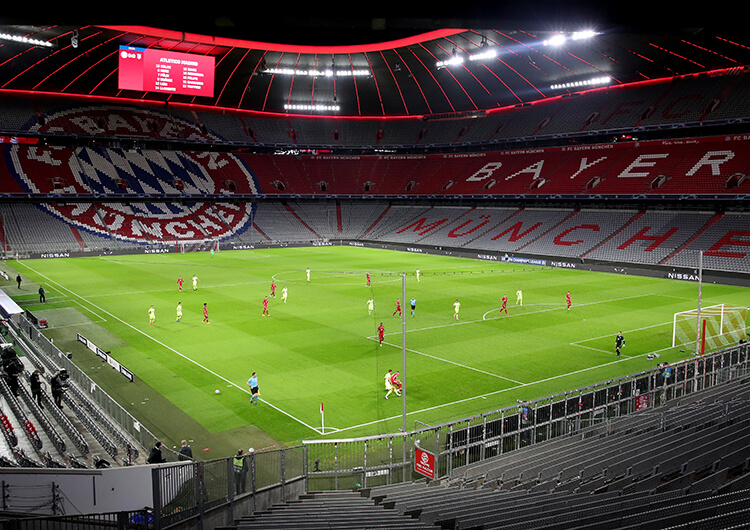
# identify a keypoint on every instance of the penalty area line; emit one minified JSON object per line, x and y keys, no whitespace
{"x":466,"y":367}
{"x":167,"y":347}
{"x":494,"y":393}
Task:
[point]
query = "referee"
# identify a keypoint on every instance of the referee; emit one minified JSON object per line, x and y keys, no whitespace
{"x":619,"y":342}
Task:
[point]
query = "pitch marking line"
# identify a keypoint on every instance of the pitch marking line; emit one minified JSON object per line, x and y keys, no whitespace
{"x":484,"y":317}
{"x":579,"y":344}
{"x":452,"y":362}
{"x":167,"y":347}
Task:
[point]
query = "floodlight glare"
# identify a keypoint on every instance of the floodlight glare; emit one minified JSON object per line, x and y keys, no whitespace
{"x":586,"y":34}
{"x":487,"y":54}
{"x":450,"y":62}
{"x":557,"y":40}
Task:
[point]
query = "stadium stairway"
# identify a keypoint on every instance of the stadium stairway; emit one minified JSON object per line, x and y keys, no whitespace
{"x":327,"y":510}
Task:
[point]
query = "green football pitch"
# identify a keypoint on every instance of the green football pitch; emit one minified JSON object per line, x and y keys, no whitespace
{"x":321,"y":346}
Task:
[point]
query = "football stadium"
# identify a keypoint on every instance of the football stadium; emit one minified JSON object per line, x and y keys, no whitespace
{"x":485,"y":270}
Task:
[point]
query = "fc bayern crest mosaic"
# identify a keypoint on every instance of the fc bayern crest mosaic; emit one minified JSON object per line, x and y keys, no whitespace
{"x":143,"y":173}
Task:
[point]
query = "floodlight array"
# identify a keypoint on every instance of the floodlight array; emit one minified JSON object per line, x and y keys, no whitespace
{"x":317,"y":73}
{"x":26,"y":40}
{"x":596,"y":81}
{"x":312,"y":108}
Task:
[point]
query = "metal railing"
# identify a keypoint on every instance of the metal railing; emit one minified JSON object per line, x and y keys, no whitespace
{"x":135,"y":520}
{"x":188,"y":490}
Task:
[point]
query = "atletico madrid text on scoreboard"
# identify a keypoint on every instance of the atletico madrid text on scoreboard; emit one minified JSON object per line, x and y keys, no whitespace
{"x":152,"y":70}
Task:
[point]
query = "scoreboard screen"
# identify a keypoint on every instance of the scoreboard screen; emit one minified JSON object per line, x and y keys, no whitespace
{"x":151,"y":70}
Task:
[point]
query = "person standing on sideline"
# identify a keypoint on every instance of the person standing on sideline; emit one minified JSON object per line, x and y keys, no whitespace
{"x":519,"y":297}
{"x":155,"y":456}
{"x":413,"y":304}
{"x":619,"y":342}
{"x":18,"y":280}
{"x":240,"y":466}
{"x":42,"y":298}
{"x":456,"y":308}
{"x":254,"y":391}
{"x":151,"y":315}
{"x":567,"y":299}
{"x":381,"y":333}
{"x":185,"y":452}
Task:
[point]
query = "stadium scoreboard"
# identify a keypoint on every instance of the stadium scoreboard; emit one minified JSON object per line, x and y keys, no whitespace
{"x":152,"y":70}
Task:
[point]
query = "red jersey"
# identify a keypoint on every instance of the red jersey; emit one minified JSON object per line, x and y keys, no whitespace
{"x":505,"y":300}
{"x":273,"y":287}
{"x":381,"y":331}
{"x":265,"y":303}
{"x":205,"y":311}
{"x":179,"y":281}
{"x":398,"y":305}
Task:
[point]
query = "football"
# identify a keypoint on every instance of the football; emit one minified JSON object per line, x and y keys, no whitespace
{"x":217,"y":391}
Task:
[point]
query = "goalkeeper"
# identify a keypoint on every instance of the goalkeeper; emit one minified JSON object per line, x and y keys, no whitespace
{"x":619,"y":342}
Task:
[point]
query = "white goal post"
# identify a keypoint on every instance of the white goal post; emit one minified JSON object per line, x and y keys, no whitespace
{"x":197,"y":245}
{"x":719,"y":326}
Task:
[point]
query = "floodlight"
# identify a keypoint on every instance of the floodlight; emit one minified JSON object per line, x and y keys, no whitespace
{"x":585,"y":34}
{"x":25,"y":40}
{"x":556,"y":40}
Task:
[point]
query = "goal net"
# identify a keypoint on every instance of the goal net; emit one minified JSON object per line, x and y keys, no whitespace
{"x":198,"y":245}
{"x":717,"y":325}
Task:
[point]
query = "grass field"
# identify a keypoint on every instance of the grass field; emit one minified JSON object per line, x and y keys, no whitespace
{"x":321,"y":346}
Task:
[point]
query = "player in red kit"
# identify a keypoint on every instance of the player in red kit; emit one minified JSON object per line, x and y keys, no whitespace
{"x":179,"y":283}
{"x":273,"y":289}
{"x":205,"y":314}
{"x":567,"y":299}
{"x":381,"y":333}
{"x":396,"y":383}
{"x":368,"y":279}
{"x":265,"y":307}
{"x":398,"y":308}
{"x":505,"y":305}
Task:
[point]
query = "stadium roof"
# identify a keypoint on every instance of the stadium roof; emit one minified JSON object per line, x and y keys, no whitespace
{"x":420,"y":61}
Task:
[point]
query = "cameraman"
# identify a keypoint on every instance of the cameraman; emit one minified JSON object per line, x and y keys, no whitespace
{"x":35,"y":382}
{"x":13,"y":370}
{"x":58,"y":385}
